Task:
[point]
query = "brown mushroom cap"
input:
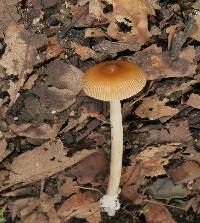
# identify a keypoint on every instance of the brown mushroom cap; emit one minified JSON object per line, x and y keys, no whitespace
{"x":114,"y":80}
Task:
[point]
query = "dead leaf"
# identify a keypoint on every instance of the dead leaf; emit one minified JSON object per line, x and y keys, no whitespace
{"x":44,"y":131}
{"x":81,"y":205}
{"x":194,"y":101}
{"x":195,"y":32}
{"x":68,"y":187}
{"x":84,"y":52}
{"x":31,"y":81}
{"x":47,"y":206}
{"x":36,"y":217}
{"x":3,"y":146}
{"x":172,"y":30}
{"x":157,"y":213}
{"x":94,"y":33}
{"x":93,"y":169}
{"x":8,"y":15}
{"x":54,"y":47}
{"x":20,"y":55}
{"x":164,"y":188}
{"x":155,"y":158}
{"x":46,"y":160}
{"x":132,"y":179}
{"x":158,"y":64}
{"x":152,"y":108}
{"x":134,"y":15}
{"x":194,"y":203}
{"x":185,"y":173}
{"x":23,"y":207}
{"x":171,"y":132}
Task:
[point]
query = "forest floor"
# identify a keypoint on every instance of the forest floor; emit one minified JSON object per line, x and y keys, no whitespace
{"x":55,"y":141}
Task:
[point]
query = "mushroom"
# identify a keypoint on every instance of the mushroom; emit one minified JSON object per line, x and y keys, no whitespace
{"x":114,"y":81}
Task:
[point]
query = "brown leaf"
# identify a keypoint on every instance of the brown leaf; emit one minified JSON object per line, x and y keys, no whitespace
{"x":53,"y":47}
{"x":185,"y":173}
{"x":68,"y":187}
{"x":20,"y":55}
{"x":92,"y":169}
{"x":84,"y":52}
{"x":194,"y":101}
{"x":155,"y":158}
{"x":8,"y":15}
{"x":47,"y":206}
{"x":164,"y":188}
{"x":36,"y":217}
{"x":3,"y":146}
{"x":31,"y":81}
{"x":46,"y":160}
{"x":152,"y":108}
{"x":81,"y":205}
{"x":94,"y":33}
{"x":171,"y":132}
{"x":132,"y":179}
{"x":195,"y":32}
{"x":157,"y":213}
{"x":158,"y":64}
{"x":134,"y":14}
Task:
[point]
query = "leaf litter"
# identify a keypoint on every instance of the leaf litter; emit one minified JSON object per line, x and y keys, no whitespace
{"x":55,"y":141}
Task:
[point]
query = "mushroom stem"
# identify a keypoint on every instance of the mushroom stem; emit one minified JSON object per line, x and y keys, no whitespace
{"x":111,"y":202}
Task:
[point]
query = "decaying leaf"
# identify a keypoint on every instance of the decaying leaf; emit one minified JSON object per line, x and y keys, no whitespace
{"x":94,"y":33}
{"x":158,"y":64}
{"x":133,"y":14}
{"x":186,"y":172}
{"x":46,"y":160}
{"x":164,"y":188}
{"x":68,"y":186}
{"x":20,"y":55}
{"x":171,"y":132}
{"x":195,"y":32}
{"x":151,"y":211}
{"x":152,"y":108}
{"x":81,"y":205}
{"x":53,"y":47}
{"x":3,"y":145}
{"x":47,"y":206}
{"x":155,"y":158}
{"x":91,"y":170}
{"x":84,"y":52}
{"x":194,"y":101}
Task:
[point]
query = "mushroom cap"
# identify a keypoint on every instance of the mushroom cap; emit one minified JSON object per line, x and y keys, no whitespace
{"x":114,"y":80}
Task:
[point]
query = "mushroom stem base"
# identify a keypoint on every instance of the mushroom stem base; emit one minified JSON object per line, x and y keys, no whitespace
{"x":116,"y":157}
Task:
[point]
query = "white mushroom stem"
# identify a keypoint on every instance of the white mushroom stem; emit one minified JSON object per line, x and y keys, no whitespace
{"x":110,"y":201}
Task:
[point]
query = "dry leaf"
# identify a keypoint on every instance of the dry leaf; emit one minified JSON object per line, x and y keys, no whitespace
{"x":91,"y":170}
{"x":20,"y":56}
{"x":158,"y":64}
{"x":68,"y":187}
{"x":81,"y":205}
{"x":195,"y":32}
{"x":47,"y":206}
{"x":155,"y":158}
{"x":152,"y":108}
{"x":171,"y":132}
{"x":31,"y":81}
{"x":36,"y":217}
{"x":3,"y":146}
{"x":94,"y":33}
{"x":185,"y":173}
{"x":8,"y":14}
{"x":164,"y":188}
{"x":132,"y":179}
{"x":53,"y":47}
{"x":133,"y":14}
{"x":46,"y":160}
{"x":157,"y":213}
{"x":44,"y":131}
{"x":194,"y":101}
{"x":84,"y":52}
